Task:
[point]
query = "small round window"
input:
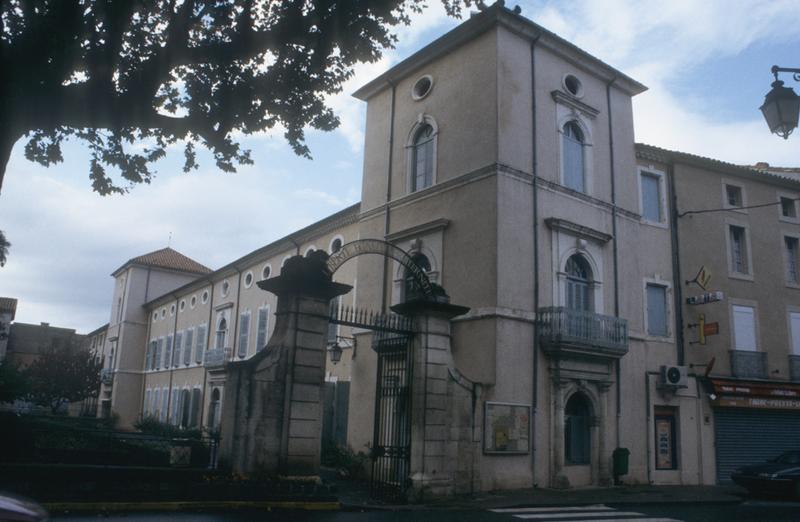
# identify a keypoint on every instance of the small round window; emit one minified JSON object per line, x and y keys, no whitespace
{"x":266,"y":272}
{"x":248,"y":279}
{"x":172,"y":310}
{"x":193,"y":301}
{"x":573,"y":85}
{"x":225,"y":287}
{"x":205,"y":297}
{"x":183,"y":305}
{"x":163,"y":313}
{"x":422,"y":87}
{"x":336,"y":245}
{"x":155,"y":316}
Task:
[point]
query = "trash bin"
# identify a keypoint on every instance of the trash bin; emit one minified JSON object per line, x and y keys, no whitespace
{"x":620,"y":457}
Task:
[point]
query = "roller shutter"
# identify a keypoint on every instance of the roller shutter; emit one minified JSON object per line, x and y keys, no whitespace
{"x":751,"y":436}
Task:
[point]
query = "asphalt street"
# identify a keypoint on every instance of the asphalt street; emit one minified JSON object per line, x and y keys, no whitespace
{"x":751,"y":510}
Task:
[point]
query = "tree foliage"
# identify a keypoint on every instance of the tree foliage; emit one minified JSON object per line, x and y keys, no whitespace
{"x":13,"y":384}
{"x":4,"y":244}
{"x":62,"y":376}
{"x":154,"y":73}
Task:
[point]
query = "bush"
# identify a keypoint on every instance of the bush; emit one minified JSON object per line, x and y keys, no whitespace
{"x":153,"y":426}
{"x":349,"y":463}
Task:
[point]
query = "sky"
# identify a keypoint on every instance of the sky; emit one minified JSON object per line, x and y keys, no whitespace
{"x":706,"y":64}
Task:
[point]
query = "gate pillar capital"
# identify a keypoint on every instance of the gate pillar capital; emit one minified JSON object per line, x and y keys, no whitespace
{"x":305,"y":276}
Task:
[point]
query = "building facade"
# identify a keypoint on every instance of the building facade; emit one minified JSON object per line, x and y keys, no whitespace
{"x":501,"y":158}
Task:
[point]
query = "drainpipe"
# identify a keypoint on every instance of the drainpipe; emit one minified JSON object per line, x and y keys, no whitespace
{"x":207,"y":344}
{"x":386,"y":220}
{"x":612,"y":172}
{"x":535,"y":209}
{"x":235,"y":316}
{"x":677,"y":287}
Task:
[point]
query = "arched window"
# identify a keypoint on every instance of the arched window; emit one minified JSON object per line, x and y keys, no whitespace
{"x":222,"y":330}
{"x":214,"y":409}
{"x":410,"y":285}
{"x":579,"y":281}
{"x":577,"y":429}
{"x":573,"y":142}
{"x":422,"y":157}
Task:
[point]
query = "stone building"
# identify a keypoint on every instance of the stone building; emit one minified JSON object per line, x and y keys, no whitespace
{"x":501,"y":159}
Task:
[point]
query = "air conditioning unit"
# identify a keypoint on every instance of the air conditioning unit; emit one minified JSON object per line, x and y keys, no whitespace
{"x":674,"y":377}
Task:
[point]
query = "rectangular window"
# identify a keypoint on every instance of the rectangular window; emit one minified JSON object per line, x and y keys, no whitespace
{"x":146,"y":403}
{"x":175,"y":406}
{"x":156,"y":404}
{"x":194,"y":414}
{"x":738,"y":250}
{"x":666,"y":443}
{"x":788,"y":207}
{"x":200,"y":347}
{"x":178,"y":345}
{"x":168,"y":351}
{"x":794,"y":323}
{"x":573,"y":164}
{"x":263,"y":328}
{"x":651,"y":197}
{"x":244,"y":332}
{"x":151,"y":356}
{"x":158,"y":352}
{"x":733,"y":195}
{"x":744,"y":327}
{"x":657,"y":310}
{"x":187,"y":349}
{"x":164,"y":404}
{"x":791,"y":250}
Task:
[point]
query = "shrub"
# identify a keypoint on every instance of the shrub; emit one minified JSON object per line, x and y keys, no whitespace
{"x":349,"y":463}
{"x":153,"y":426}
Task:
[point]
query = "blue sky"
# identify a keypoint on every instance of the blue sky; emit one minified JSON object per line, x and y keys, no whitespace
{"x":706,"y":64}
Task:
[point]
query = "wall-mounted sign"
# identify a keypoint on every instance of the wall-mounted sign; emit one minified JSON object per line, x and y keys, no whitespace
{"x":702,"y":278}
{"x":665,"y":438}
{"x":708,"y":297}
{"x":742,"y":394}
{"x":506,"y":428}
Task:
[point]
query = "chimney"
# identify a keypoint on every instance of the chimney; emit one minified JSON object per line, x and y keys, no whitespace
{"x":45,"y":324}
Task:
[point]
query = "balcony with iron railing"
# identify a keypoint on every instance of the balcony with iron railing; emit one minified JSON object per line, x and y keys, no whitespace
{"x":749,"y":365}
{"x":217,"y":357}
{"x":565,"y":331}
{"x":107,"y":376}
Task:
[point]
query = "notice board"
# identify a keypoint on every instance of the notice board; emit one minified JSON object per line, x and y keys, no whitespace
{"x":506,"y":428}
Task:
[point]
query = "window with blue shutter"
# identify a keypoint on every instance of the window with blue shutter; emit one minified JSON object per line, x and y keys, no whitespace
{"x":657,"y":310}
{"x":187,"y":349}
{"x":744,"y":327}
{"x":159,"y":345}
{"x":572,"y":150}
{"x":651,"y":197}
{"x":175,"y":406}
{"x":200,"y":347}
{"x":244,"y":331}
{"x":164,"y":404}
{"x":178,"y":346}
{"x":156,"y":404}
{"x":263,"y":328}
{"x":168,"y":352}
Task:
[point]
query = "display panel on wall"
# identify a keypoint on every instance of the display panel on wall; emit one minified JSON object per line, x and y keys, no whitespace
{"x":506,"y":428}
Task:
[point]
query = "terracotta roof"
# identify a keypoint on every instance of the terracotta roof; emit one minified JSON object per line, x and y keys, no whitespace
{"x":8,"y":304}
{"x":169,"y":259}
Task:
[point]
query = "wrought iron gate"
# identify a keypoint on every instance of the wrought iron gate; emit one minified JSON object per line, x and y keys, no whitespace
{"x":391,"y":447}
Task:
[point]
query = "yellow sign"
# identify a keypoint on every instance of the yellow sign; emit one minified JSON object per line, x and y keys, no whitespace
{"x":703,"y":277}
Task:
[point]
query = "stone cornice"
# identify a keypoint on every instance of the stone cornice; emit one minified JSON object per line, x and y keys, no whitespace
{"x":578,"y":230}
{"x":570,"y":101}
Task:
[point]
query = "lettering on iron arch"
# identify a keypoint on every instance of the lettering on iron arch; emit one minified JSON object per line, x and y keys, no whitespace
{"x":377,"y":246}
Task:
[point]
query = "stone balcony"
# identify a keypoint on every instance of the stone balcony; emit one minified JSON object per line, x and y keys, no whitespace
{"x":217,"y":357}
{"x":748,"y":365}
{"x":107,"y":376}
{"x":563,"y":331}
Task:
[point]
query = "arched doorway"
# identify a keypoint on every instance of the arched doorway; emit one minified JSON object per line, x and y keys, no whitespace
{"x":577,"y":430}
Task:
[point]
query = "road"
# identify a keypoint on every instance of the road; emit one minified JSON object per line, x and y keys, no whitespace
{"x":748,"y":511}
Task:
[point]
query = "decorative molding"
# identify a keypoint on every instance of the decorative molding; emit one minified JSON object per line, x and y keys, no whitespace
{"x":424,"y":228}
{"x":575,"y":229}
{"x":498,"y":313}
{"x":555,"y":187}
{"x":223,"y":306}
{"x":574,"y":103}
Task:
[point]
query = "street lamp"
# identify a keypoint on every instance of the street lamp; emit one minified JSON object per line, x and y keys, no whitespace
{"x":781,"y":104}
{"x":335,"y":352}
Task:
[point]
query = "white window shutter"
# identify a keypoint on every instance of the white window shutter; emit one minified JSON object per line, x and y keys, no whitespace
{"x":744,"y":327}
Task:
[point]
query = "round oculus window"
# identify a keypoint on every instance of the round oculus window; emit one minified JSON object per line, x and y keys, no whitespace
{"x":248,"y":279}
{"x":225,"y":288}
{"x":182,"y":305}
{"x":336,"y":245}
{"x":266,"y":272}
{"x":205,"y":297}
{"x":155,"y":316}
{"x":422,"y":87}
{"x":172,"y":310}
{"x":163,"y":313}
{"x":573,"y":85}
{"x":193,"y":301}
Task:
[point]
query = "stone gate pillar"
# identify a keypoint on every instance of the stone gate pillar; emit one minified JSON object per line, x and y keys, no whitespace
{"x":272,"y":411}
{"x":441,"y":409}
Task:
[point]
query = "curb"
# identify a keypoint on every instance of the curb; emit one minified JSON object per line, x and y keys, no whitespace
{"x":189,"y":506}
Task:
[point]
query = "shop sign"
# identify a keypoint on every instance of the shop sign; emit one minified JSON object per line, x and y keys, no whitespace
{"x":756,"y":395}
{"x":764,"y":403}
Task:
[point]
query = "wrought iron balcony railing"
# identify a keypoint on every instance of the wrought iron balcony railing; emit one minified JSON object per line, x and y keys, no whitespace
{"x":217,"y":357}
{"x":563,"y":329}
{"x":748,"y":364}
{"x":107,"y":376}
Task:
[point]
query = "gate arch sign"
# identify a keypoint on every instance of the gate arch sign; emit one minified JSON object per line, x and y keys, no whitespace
{"x":377,"y":246}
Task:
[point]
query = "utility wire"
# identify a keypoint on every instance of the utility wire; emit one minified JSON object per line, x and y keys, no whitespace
{"x":705,"y":211}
